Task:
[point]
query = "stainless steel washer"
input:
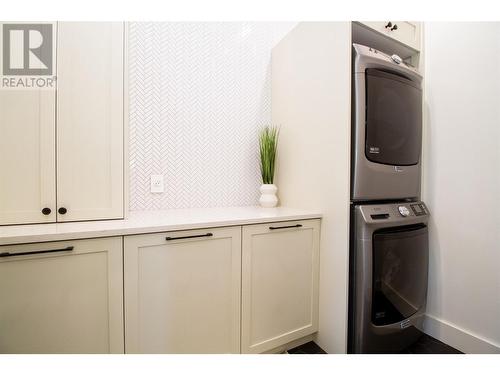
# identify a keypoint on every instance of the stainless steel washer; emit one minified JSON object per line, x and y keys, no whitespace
{"x":388,"y":276}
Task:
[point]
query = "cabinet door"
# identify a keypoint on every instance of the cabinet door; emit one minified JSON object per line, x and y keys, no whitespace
{"x":68,"y":301}
{"x":405,"y":32}
{"x":182,"y":295}
{"x":90,"y":120}
{"x":27,"y":155}
{"x":280,"y":275}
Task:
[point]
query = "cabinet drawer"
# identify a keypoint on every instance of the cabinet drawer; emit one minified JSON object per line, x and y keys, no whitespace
{"x":62,"y":297}
{"x":182,"y":291}
{"x":407,"y":32}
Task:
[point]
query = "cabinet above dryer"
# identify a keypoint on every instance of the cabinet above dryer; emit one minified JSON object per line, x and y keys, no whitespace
{"x":405,"y":32}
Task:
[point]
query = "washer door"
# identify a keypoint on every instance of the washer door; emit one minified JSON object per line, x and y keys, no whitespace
{"x":400,"y":264}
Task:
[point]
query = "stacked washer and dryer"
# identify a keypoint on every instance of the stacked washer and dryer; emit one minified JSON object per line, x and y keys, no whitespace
{"x":389,"y":241}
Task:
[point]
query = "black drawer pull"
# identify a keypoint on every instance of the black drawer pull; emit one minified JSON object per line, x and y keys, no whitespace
{"x":186,"y":237}
{"x":7,"y":254}
{"x":287,"y":226}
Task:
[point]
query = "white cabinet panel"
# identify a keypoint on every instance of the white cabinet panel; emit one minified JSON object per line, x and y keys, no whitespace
{"x":405,"y":32}
{"x":280,"y":274}
{"x":183,"y":295}
{"x":27,"y":155}
{"x":62,"y":302}
{"x":88,"y":179}
{"x":90,"y":120}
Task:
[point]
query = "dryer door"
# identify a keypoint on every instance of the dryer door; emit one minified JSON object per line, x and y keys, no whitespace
{"x":400,"y":263}
{"x":393,"y":118}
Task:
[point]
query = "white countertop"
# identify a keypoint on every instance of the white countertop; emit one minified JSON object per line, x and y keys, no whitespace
{"x":139,"y":222}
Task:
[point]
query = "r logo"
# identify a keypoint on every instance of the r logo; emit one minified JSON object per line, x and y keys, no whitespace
{"x":27,"y":49}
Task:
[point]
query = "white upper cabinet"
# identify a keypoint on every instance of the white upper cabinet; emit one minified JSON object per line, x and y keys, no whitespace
{"x":90,"y":121}
{"x":27,"y":155}
{"x":405,"y":32}
{"x":61,"y":149}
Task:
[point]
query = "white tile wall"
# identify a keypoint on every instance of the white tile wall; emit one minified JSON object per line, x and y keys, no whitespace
{"x":198,"y":94}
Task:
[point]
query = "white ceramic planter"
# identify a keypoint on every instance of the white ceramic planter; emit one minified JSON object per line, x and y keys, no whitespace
{"x":268,"y":196}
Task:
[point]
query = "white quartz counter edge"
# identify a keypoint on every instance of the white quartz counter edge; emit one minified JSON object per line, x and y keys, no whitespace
{"x":140,"y":222}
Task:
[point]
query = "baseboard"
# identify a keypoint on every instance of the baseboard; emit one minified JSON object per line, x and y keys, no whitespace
{"x":461,"y":339}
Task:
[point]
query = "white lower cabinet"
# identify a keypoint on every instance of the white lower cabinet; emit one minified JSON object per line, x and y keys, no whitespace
{"x":280,"y":275}
{"x":182,"y":291}
{"x":237,"y":289}
{"x":62,"y":297}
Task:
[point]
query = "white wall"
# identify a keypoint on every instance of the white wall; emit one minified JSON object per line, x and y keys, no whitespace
{"x":462,"y":183}
{"x":199,"y":91}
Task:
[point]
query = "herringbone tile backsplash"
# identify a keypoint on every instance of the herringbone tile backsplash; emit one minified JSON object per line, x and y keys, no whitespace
{"x":198,"y":94}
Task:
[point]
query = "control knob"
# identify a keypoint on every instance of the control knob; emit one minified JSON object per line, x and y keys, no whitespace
{"x":404,"y":211}
{"x":396,"y":59}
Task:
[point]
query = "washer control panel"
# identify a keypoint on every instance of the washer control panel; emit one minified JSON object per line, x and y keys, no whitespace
{"x":393,"y":212}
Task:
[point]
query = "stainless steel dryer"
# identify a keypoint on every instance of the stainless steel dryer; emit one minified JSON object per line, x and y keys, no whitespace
{"x":388,"y":276}
{"x":386,"y":127}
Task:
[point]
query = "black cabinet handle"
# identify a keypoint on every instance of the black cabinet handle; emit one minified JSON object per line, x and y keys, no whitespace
{"x":287,"y":226}
{"x":62,"y":210}
{"x":389,"y":24}
{"x":7,"y":254}
{"x":395,"y":27}
{"x":46,"y":211}
{"x":186,"y":237}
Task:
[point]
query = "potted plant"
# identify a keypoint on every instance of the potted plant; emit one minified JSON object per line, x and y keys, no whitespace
{"x":268,"y":142}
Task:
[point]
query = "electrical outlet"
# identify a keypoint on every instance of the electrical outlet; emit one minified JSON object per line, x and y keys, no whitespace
{"x":157,"y":183}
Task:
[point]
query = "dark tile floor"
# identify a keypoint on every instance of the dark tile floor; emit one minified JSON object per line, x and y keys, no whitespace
{"x":425,"y":345}
{"x":429,"y":345}
{"x":308,"y":348}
